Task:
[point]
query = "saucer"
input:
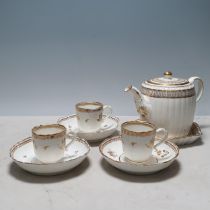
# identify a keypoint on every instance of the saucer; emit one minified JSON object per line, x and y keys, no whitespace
{"x":162,"y":157}
{"x":193,"y":135}
{"x":108,"y":127}
{"x":23,"y":155}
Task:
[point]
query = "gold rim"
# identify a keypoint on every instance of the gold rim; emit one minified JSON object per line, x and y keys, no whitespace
{"x":124,"y":130}
{"x":29,"y":139}
{"x":80,"y":109}
{"x":167,"y":84}
{"x":49,"y":136}
{"x":118,"y":138}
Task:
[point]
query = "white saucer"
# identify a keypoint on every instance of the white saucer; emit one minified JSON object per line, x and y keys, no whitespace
{"x":112,"y":151}
{"x":108,"y":127}
{"x":23,"y":155}
{"x":194,"y":134}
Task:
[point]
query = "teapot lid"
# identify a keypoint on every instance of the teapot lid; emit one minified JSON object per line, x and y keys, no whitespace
{"x":168,"y":86}
{"x":168,"y":80}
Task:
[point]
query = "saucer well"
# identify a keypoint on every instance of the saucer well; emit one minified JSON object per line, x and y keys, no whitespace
{"x":193,"y":135}
{"x":111,"y":149}
{"x":23,"y":155}
{"x":108,"y":127}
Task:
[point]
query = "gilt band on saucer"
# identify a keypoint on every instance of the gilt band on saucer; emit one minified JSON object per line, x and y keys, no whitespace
{"x":137,"y":133}
{"x":80,"y":109}
{"x":61,"y":133}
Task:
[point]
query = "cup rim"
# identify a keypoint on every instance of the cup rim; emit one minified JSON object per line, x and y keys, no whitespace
{"x":80,"y":109}
{"x":49,"y":136}
{"x":126,"y":131}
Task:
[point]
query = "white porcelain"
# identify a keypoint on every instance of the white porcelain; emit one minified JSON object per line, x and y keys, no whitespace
{"x":108,"y":127}
{"x":112,"y":150}
{"x":193,"y":135}
{"x":23,"y":155}
{"x":49,"y":142}
{"x":138,"y":139}
{"x":162,"y":99}
{"x":89,"y":115}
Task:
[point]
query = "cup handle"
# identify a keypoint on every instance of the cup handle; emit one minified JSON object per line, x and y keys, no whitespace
{"x":164,"y":135}
{"x":107,"y":110}
{"x":199,"y":92}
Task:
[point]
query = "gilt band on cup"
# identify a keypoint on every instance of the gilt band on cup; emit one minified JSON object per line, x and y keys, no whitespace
{"x":48,"y":136}
{"x":82,"y":109}
{"x":126,"y":131}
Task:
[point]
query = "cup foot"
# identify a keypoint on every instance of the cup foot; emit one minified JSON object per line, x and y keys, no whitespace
{"x":149,"y":161}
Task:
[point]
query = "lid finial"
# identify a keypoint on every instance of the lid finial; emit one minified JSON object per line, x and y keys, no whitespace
{"x":168,"y":73}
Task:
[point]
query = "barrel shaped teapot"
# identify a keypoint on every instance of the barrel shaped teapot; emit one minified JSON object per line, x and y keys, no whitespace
{"x":168,"y":102}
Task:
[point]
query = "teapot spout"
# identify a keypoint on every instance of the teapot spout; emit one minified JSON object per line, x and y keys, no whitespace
{"x":133,"y":90}
{"x":136,"y":95}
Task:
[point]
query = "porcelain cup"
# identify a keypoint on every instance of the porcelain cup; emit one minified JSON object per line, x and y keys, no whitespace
{"x":49,"y":142}
{"x":139,"y":138}
{"x":90,"y":115}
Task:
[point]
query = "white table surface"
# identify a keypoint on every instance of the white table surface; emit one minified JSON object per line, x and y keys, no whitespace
{"x":96,"y":185}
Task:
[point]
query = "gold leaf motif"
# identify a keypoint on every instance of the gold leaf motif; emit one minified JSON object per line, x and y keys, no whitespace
{"x":111,"y":153}
{"x":133,"y":144}
{"x":143,"y":111}
{"x":158,"y":152}
{"x":150,"y":144}
{"x":46,"y":147}
{"x":165,"y":153}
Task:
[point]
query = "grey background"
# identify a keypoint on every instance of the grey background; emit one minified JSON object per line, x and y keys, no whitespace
{"x":56,"y":53}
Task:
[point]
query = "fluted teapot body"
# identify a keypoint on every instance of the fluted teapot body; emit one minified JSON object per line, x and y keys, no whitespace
{"x":168,"y":102}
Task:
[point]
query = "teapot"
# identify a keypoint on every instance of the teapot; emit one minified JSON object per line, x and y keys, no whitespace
{"x":168,"y":102}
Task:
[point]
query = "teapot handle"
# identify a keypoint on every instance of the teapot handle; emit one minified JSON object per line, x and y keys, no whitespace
{"x":199,"y":92}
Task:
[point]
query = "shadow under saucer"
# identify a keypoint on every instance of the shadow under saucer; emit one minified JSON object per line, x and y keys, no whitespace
{"x":163,"y":175}
{"x":24,"y":176}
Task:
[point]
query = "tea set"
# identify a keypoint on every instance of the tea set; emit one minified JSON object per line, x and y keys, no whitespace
{"x":146,"y":145}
